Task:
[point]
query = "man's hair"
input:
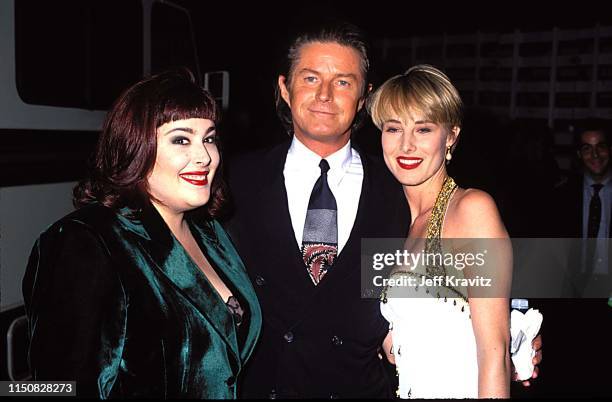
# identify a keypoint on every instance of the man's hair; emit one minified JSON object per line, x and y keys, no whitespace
{"x":591,"y":124}
{"x":342,"y":33}
{"x":422,"y":88}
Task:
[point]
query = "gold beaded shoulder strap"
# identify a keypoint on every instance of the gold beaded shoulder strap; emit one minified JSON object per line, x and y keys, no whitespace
{"x":434,"y":226}
{"x":433,"y":245}
{"x":433,"y":241}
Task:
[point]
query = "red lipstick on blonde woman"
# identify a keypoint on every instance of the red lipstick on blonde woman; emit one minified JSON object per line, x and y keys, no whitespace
{"x":408,"y":163}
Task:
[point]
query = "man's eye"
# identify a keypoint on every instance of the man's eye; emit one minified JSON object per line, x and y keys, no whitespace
{"x":180,"y":141}
{"x":344,"y":83}
{"x":310,"y":79}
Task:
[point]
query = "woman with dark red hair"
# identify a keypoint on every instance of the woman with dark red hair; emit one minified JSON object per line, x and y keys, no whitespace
{"x":140,"y":292}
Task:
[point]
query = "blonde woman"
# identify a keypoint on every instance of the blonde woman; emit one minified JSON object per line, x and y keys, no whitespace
{"x":445,"y":341}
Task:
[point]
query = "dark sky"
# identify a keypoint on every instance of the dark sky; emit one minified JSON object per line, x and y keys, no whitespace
{"x":399,"y":18}
{"x":249,"y":38}
{"x":246,"y":33}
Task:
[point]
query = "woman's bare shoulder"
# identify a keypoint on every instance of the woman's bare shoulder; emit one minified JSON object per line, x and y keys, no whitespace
{"x":473,"y":213}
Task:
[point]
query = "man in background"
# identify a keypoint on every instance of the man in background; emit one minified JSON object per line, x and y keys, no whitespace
{"x":584,"y":210}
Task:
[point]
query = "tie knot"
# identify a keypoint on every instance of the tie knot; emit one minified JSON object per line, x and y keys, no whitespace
{"x":596,"y":188}
{"x":324,"y":166}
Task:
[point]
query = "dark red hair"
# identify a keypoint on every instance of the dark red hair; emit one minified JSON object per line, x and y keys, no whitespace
{"x":127,"y":147}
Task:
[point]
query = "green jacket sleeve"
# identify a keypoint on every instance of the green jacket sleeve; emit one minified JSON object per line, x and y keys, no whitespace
{"x":76,"y":307}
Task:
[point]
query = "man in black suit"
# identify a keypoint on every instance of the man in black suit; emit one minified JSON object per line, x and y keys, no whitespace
{"x":320,"y":338}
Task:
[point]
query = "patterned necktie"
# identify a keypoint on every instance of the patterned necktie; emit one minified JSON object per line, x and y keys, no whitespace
{"x":320,"y":239}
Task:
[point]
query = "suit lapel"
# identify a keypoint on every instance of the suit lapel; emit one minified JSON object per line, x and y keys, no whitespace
{"x":580,"y":203}
{"x":273,"y":203}
{"x":176,"y":265}
{"x":273,"y":197}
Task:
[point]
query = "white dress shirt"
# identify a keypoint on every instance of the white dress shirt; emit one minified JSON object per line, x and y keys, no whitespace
{"x":345,"y":177}
{"x":605,"y":194}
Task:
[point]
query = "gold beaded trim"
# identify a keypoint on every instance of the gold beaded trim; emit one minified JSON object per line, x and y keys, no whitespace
{"x":434,"y":226}
{"x":433,"y":244}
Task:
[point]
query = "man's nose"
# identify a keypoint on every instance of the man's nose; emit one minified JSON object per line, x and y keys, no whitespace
{"x":325,"y":92}
{"x":595,"y":153}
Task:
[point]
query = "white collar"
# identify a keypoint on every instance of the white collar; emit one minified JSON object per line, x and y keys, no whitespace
{"x":588,"y":180}
{"x":300,"y":158}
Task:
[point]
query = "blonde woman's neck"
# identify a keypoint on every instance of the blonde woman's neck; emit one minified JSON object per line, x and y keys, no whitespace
{"x":422,"y":197}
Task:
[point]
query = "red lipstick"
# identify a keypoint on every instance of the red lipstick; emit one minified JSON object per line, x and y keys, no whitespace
{"x":408,"y":163}
{"x":195,"y":182}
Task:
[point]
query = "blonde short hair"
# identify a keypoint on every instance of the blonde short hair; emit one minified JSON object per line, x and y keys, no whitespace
{"x":421,"y":88}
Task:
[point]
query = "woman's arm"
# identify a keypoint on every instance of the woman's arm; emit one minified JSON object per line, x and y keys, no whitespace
{"x":76,"y":310}
{"x":490,"y":318}
{"x":479,"y":219}
{"x":388,"y":347}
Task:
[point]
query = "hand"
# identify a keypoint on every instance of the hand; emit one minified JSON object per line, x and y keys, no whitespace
{"x":537,"y":359}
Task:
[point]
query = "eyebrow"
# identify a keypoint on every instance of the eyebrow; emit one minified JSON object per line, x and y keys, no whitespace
{"x":585,"y":144}
{"x":188,"y":130}
{"x":347,"y":75}
{"x":185,"y":129}
{"x":416,"y":122}
{"x":308,"y":70}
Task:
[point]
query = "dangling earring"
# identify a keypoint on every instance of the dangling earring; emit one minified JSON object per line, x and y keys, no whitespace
{"x":449,"y":156}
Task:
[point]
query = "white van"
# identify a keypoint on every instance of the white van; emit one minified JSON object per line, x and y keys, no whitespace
{"x":62,"y":63}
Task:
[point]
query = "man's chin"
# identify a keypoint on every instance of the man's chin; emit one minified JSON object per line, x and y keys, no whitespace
{"x":598,"y":171}
{"x":326,"y":136}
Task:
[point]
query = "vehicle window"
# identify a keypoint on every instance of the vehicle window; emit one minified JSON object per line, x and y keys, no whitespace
{"x":77,"y":53}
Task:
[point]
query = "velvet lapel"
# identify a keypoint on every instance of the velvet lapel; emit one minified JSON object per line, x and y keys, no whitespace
{"x":173,"y":261}
{"x":221,"y":253}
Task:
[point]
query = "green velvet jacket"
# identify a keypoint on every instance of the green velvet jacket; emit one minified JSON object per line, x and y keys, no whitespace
{"x":117,"y":304}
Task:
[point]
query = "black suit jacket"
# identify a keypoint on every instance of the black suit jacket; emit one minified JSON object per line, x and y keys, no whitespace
{"x":317,"y":341}
{"x":568,"y":208}
{"x":569,"y":223}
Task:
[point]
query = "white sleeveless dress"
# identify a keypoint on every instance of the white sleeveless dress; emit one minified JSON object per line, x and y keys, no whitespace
{"x":433,"y":340}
